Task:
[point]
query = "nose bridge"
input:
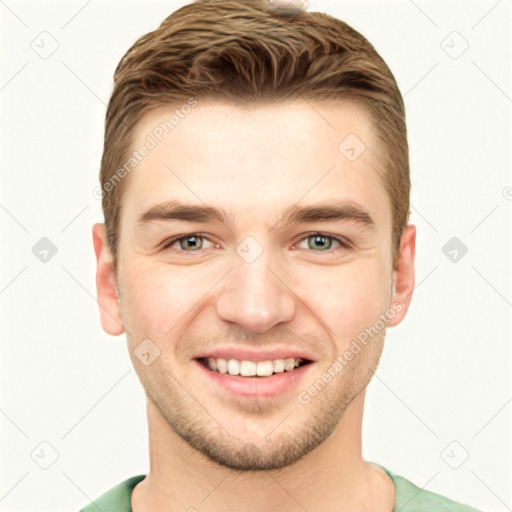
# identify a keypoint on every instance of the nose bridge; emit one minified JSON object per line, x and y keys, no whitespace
{"x":252,"y":295}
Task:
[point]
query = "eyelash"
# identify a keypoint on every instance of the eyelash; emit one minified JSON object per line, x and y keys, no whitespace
{"x":343,"y":243}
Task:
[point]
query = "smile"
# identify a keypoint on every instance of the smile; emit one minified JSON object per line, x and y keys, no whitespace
{"x":252,"y":368}
{"x":241,"y":378}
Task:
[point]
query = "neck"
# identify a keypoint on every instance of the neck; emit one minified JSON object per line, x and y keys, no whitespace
{"x":333,"y":476}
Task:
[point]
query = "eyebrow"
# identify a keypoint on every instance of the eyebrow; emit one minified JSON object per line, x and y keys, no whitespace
{"x":328,"y":211}
{"x":325,"y":211}
{"x":174,"y":210}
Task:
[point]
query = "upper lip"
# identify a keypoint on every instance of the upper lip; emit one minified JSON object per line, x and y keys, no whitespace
{"x":245,"y":354}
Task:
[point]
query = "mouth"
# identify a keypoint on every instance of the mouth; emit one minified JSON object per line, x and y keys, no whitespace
{"x":253,"y":379}
{"x":248,"y":369}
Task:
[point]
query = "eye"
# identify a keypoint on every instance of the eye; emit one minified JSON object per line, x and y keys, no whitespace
{"x":319,"y":242}
{"x":193,"y":241}
{"x":322,"y":242}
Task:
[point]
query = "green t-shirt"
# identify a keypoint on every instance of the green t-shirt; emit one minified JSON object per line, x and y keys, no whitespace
{"x":408,"y":498}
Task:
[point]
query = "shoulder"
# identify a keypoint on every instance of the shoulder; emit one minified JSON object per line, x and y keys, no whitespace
{"x":116,"y":499}
{"x":410,"y":497}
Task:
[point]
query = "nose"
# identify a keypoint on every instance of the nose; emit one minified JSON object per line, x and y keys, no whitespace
{"x":255,"y":296}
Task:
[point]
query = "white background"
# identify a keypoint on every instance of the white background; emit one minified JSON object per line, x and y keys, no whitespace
{"x":445,"y":372}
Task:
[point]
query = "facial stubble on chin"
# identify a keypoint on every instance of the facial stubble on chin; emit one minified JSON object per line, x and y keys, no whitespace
{"x":303,"y":427}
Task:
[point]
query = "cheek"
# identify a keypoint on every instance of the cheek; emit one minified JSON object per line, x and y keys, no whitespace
{"x":349,"y":298}
{"x":157,"y":298}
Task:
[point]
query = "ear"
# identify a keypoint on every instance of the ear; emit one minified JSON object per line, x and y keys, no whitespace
{"x":403,"y":274}
{"x":106,"y":285}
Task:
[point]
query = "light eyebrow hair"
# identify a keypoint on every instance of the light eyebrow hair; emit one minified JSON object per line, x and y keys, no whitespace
{"x":175,"y":210}
{"x":325,"y":211}
{"x":328,"y":211}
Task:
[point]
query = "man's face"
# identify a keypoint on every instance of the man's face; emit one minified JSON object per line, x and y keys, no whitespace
{"x":257,"y":281}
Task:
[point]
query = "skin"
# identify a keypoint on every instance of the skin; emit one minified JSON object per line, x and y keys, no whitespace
{"x":215,"y":450}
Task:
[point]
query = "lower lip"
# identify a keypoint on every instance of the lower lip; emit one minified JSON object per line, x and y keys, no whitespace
{"x":256,"y":386}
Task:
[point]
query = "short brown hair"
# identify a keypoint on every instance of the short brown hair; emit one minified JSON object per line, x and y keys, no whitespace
{"x":244,"y":52}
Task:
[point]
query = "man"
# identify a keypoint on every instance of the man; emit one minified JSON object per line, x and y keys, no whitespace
{"x":255,"y":248}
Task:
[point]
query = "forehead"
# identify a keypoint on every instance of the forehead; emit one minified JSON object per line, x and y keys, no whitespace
{"x":254,"y":161}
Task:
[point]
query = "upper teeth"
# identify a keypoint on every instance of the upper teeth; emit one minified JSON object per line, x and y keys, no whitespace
{"x":252,"y":368}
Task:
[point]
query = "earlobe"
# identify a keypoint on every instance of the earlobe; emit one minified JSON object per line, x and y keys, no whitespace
{"x":403,"y":275}
{"x":106,"y":284}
